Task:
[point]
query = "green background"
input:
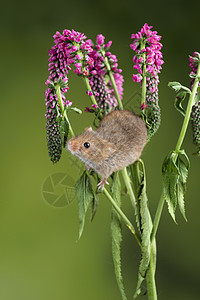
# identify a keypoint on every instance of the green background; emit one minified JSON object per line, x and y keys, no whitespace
{"x":40,"y":257}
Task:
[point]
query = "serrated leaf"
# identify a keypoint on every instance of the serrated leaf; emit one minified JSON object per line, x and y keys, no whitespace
{"x":94,"y":204}
{"x":181,"y":185}
{"x":178,"y":102}
{"x":175,"y":172}
{"x":136,"y":176}
{"x":177,"y":87}
{"x":64,"y":130}
{"x":116,"y":234}
{"x":170,"y":178}
{"x":84,"y":195}
{"x":146,"y":227}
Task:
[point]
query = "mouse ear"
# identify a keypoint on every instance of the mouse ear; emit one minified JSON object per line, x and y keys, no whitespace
{"x":88,"y":129}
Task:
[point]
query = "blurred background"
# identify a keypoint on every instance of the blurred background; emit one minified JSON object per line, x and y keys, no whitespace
{"x":40,"y":257}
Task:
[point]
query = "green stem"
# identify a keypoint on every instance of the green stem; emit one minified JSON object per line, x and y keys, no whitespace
{"x":129,"y":188}
{"x":89,"y":89}
{"x":150,"y":276}
{"x":112,"y":79}
{"x":188,"y":111}
{"x":157,"y":217}
{"x":144,"y":76}
{"x":123,"y":216}
{"x":178,"y":147}
{"x":63,"y":111}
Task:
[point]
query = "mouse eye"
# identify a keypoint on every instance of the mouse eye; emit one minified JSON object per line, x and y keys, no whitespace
{"x":86,"y":145}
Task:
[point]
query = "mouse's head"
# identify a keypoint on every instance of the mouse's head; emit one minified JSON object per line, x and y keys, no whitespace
{"x":90,"y":147}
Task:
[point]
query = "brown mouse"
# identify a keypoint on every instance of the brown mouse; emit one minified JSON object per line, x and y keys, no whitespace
{"x":117,"y":143}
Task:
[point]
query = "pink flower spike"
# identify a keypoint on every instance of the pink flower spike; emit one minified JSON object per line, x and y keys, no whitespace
{"x":79,"y":57}
{"x":143,"y":106}
{"x":98,"y":47}
{"x":93,"y":72}
{"x":74,"y":48}
{"x":94,"y":106}
{"x":108,"y":53}
{"x":68,"y":103}
{"x":100,"y":39}
{"x":87,"y":109}
{"x":137,"y":78}
{"x":90,"y":93}
{"x":85,"y":73}
{"x":108,"y":45}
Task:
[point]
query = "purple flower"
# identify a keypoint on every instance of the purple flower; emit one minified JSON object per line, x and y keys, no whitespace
{"x":143,"y":106}
{"x":70,"y":48}
{"x":73,"y":48}
{"x":87,"y":109}
{"x":195,"y":114}
{"x":100,"y":39}
{"x":68,"y":103}
{"x":102,"y":88}
{"x":107,"y":46}
{"x":89,"y":93}
{"x":137,"y":78}
{"x":148,"y":63}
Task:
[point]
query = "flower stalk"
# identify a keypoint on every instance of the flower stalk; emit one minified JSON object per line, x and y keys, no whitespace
{"x":93,"y":100}
{"x":112,"y":79}
{"x":123,"y":216}
{"x":178,"y":147}
{"x":63,"y":111}
{"x":144,"y":75}
{"x":188,"y":111}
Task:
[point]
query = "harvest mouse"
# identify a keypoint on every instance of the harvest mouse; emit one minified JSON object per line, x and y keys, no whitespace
{"x":115,"y":144}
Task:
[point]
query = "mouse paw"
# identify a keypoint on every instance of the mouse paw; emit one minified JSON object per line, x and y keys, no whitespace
{"x":102,"y":183}
{"x":87,"y":167}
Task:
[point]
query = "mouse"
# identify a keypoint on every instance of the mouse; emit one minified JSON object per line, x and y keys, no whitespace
{"x":117,"y":142}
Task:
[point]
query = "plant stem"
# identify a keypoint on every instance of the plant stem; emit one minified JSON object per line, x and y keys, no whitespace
{"x":89,"y":89}
{"x":129,"y":188}
{"x":157,"y":217}
{"x":178,"y":147}
{"x":150,"y":276}
{"x":123,"y":216}
{"x":63,"y":111}
{"x":112,"y":79}
{"x":188,"y":111}
{"x":144,"y":76}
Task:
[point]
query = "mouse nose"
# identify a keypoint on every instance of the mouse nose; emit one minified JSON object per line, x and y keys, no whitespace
{"x":69,"y":144}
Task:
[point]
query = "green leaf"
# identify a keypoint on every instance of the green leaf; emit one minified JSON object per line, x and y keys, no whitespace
{"x":116,"y":234}
{"x":175,"y":172}
{"x":136,"y":176}
{"x":146,"y":227}
{"x":84,"y":195}
{"x":178,"y":102}
{"x":77,"y":110}
{"x":181,"y":185}
{"x":64,"y":130}
{"x":170,"y":174}
{"x":94,"y":204}
{"x":177,"y":87}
